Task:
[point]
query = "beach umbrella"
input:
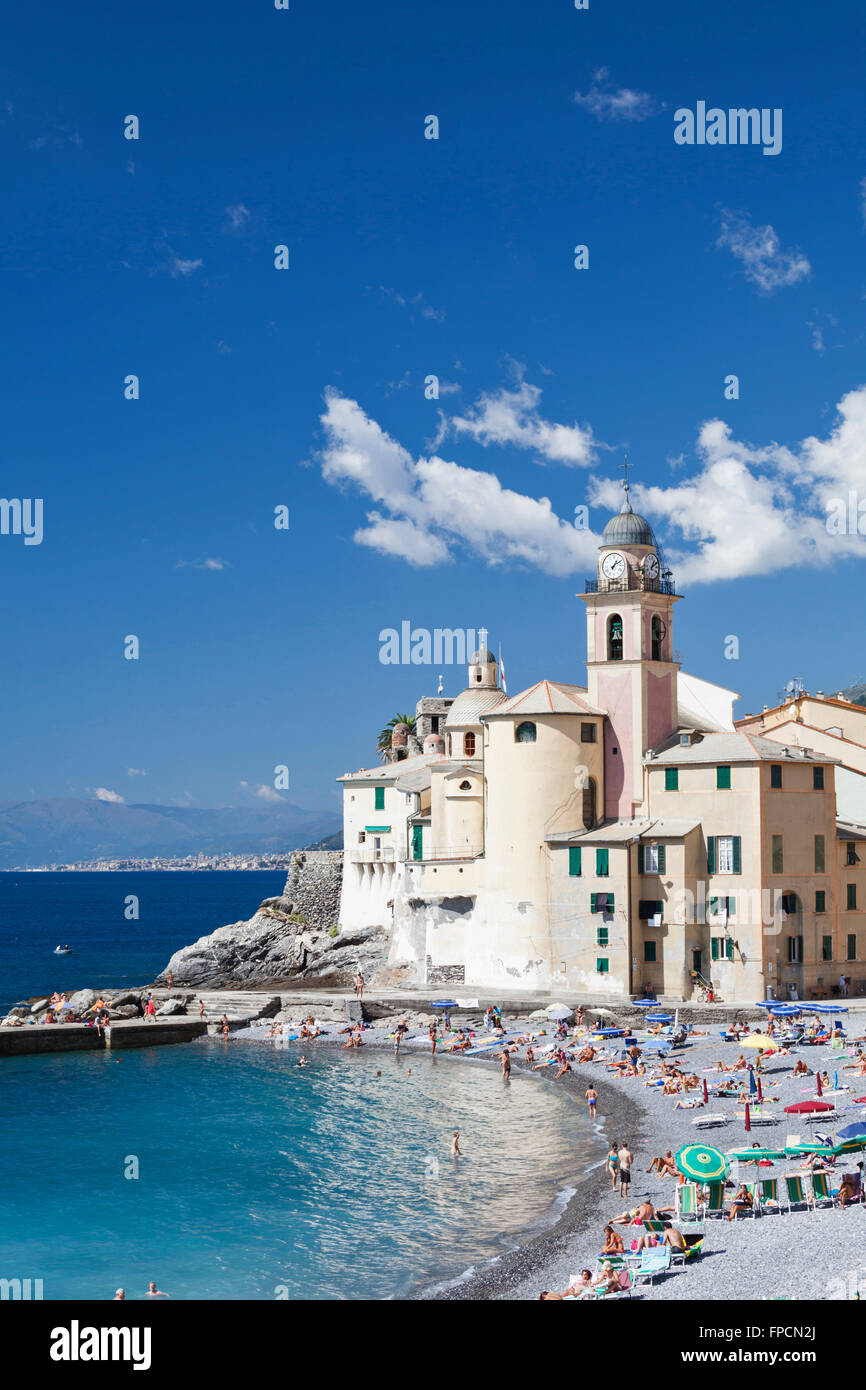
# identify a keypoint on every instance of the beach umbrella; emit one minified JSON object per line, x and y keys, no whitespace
{"x":706,"y":1094}
{"x":660,"y":1018}
{"x":796,"y":1150}
{"x":850,"y":1146}
{"x":644,"y":1004}
{"x":608,"y":1032}
{"x":761,"y":1041}
{"x":444,"y":1004}
{"x":701,"y":1163}
{"x":753,"y":1155}
{"x":753,"y":1085}
{"x":748,"y":1124}
{"x":856,"y":1130}
{"x":861,"y":1100}
{"x":760,"y":1092}
{"x":818,"y":1086}
{"x":558,"y":1011}
{"x":603,"y":1013}
{"x":808,"y":1107}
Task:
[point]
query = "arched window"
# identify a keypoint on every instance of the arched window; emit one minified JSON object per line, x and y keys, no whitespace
{"x":466,"y":786}
{"x":589,"y":804}
{"x":614,"y":637}
{"x":469,"y":745}
{"x":657,"y":629}
{"x":525,"y":733}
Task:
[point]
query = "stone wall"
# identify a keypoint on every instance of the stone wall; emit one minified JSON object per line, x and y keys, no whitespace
{"x":312,"y":888}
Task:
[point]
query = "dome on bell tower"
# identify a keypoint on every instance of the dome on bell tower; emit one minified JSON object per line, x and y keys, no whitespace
{"x":627,"y":528}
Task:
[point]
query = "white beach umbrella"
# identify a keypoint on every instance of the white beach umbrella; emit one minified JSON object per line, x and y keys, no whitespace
{"x":603,"y":1013}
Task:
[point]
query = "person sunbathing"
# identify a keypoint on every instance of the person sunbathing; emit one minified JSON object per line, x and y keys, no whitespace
{"x":530,"y":1057}
{"x":674,"y":1239}
{"x":690,"y":1083}
{"x":587,"y":1055}
{"x":694,"y":1104}
{"x":800,"y":1069}
{"x":563,"y":1068}
{"x":671,"y":1087}
{"x":612,"y":1242}
{"x":580,"y":1286}
{"x":645,"y":1242}
{"x":741,"y":1064}
{"x":742,"y":1201}
{"x":608,"y":1280}
{"x":645,"y":1212}
{"x":849,"y":1190}
{"x":665,"y":1164}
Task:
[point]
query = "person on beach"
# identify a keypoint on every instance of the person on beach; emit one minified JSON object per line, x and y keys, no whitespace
{"x":612,"y":1164}
{"x":564,"y":1066}
{"x":591,"y":1100}
{"x":169,"y":980}
{"x":587,"y":1055}
{"x":741,"y":1201}
{"x":849,"y":1190}
{"x":149,"y":1009}
{"x":201,"y":1008}
{"x":800,"y":1069}
{"x":431,"y":1033}
{"x":580,"y":1286}
{"x":225,"y":1032}
{"x":359,"y":986}
{"x":506,"y":1065}
{"x":530,"y":1055}
{"x":674,"y":1239}
{"x":625,"y":1162}
{"x":399,"y":1034}
{"x":612,"y":1242}
{"x":154,"y":1292}
{"x":455,"y":1144}
{"x":665,"y":1163}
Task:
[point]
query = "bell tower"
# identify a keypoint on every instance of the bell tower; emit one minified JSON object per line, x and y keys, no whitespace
{"x":631,"y":671}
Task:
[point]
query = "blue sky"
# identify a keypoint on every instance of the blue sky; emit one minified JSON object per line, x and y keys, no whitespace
{"x":409,"y":257}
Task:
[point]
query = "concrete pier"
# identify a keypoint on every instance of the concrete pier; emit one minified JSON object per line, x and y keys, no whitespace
{"x":78,"y":1037}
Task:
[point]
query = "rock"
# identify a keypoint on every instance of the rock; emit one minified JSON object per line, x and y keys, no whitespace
{"x":19,"y":1011}
{"x":172,"y":1006}
{"x":124,"y":1011}
{"x":125,"y":997}
{"x":82,"y":1000}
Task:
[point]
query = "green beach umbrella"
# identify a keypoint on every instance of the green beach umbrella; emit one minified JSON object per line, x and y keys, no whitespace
{"x":701,"y":1163}
{"x":850,"y":1146}
{"x":747,"y":1155}
{"x":825,"y":1150}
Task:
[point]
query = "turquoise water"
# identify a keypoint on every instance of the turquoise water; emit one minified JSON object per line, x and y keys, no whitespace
{"x":41,"y":911}
{"x":259,"y":1180}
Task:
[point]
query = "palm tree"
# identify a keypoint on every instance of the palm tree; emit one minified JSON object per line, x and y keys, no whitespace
{"x":383,"y":745}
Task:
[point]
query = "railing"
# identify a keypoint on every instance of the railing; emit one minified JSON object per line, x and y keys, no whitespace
{"x":368,"y":854}
{"x":622,"y":586}
{"x":445,"y":852}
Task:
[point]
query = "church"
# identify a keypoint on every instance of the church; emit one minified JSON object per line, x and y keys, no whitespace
{"x":623,"y":837}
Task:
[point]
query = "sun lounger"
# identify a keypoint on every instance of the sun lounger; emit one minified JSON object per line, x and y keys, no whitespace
{"x":713,"y":1117}
{"x":687,"y":1203}
{"x":795,"y":1191}
{"x":715,"y":1201}
{"x":769,"y":1190}
{"x":821,"y":1192}
{"x":653,"y":1263}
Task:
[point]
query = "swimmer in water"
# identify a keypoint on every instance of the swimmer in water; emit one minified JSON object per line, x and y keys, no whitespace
{"x":455,"y":1144}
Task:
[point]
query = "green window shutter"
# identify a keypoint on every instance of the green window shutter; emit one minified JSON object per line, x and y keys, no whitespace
{"x":601,"y":936}
{"x":819,"y":854}
{"x":602,"y":863}
{"x":723,"y":779}
{"x":379,"y":793}
{"x":852,"y":946}
{"x":610,"y":902}
{"x":640,"y":859}
{"x":738,"y":857}
{"x":826,"y":948}
{"x":714,"y":947}
{"x":711,"y":854}
{"x":818,"y":779}
{"x":729,"y":948}
{"x":732,"y":907}
{"x":671,"y":779}
{"x":593,"y":902}
{"x":852,"y":895}
{"x":601,"y":965}
{"x":649,"y":950}
{"x":661,"y":859}
{"x":713,"y":905}
{"x":574,"y":860}
{"x":775,"y":774}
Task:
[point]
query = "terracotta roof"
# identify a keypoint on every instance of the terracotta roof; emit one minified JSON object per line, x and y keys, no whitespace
{"x":547,"y":697}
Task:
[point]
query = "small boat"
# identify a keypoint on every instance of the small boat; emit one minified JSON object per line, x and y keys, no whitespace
{"x":62,"y":950}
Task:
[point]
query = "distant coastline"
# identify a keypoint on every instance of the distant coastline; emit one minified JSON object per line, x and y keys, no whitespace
{"x":192,"y":864}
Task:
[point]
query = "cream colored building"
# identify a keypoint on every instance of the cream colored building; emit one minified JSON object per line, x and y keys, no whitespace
{"x":624,"y":835}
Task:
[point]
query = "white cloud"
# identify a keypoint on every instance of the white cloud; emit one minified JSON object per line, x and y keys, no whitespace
{"x":415,"y":302}
{"x":511,"y":417}
{"x":103,"y":794}
{"x":263,"y":792}
{"x":614,"y":104}
{"x":180,"y":269}
{"x":741,"y":510}
{"x":209,"y":564}
{"x":238,"y":216}
{"x":432,"y":508}
{"x":135,"y":772}
{"x":760,"y":253}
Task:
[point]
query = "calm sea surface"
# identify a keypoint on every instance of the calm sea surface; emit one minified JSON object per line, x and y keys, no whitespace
{"x":86,"y":911}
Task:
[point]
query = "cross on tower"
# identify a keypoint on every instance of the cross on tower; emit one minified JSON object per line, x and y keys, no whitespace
{"x":625,"y":475}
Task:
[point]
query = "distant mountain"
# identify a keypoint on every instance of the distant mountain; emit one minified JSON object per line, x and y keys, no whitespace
{"x":63,"y":830}
{"x":330,"y":842}
{"x":855,"y":693}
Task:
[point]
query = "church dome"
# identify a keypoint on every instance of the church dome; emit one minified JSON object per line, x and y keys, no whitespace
{"x":481,"y":657}
{"x":472,"y":703}
{"x":628,"y":529}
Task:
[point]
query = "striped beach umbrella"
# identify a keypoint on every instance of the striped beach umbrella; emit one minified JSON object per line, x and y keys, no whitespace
{"x":702,"y":1163}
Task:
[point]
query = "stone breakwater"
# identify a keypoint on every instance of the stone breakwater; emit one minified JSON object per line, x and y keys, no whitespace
{"x":294,"y":937}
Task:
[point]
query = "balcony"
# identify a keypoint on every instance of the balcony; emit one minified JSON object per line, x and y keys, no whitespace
{"x":439,"y":854}
{"x":368,"y":854}
{"x":622,"y":586}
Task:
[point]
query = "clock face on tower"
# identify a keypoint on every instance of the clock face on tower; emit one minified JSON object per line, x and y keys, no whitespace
{"x":651,"y":566}
{"x":613,"y":566}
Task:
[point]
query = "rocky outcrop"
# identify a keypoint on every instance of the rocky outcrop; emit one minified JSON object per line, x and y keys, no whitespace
{"x":293,"y":937}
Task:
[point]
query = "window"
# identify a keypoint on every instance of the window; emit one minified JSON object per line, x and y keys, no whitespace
{"x":723,"y":907}
{"x":723,"y":779}
{"x":649,"y":950}
{"x":724,"y":854}
{"x":602,"y":863}
{"x":525,"y":733}
{"x":819,"y":854}
{"x":820,"y":900}
{"x":361,"y":837}
{"x":469,"y":745}
{"x":650,"y":907}
{"x":818,"y":779}
{"x":672,"y":779}
{"x":651,"y":859}
{"x":657,"y":633}
{"x":574,"y":861}
{"x":379,"y":794}
{"x":601,"y":902}
{"x":795,"y":950}
{"x":465,"y":786}
{"x":851,"y":856}
{"x":614,"y":637}
{"x":790,"y":904}
{"x":775,"y":774}
{"x":601,"y":936}
{"x":826,"y":948}
{"x":721,"y":948}
{"x":852,"y":946}
{"x":587,"y":733}
{"x":778,"y":855}
{"x":434,"y":724}
{"x":601,"y":966}
{"x":852,"y":896}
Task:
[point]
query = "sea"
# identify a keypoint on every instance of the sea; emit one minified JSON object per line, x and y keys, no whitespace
{"x":222,"y":1170}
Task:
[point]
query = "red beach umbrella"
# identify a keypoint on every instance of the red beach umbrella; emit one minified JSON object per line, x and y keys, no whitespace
{"x":748,"y":1118}
{"x":818,"y":1079}
{"x":760,"y":1092}
{"x":706,"y":1095}
{"x":807,"y":1107}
